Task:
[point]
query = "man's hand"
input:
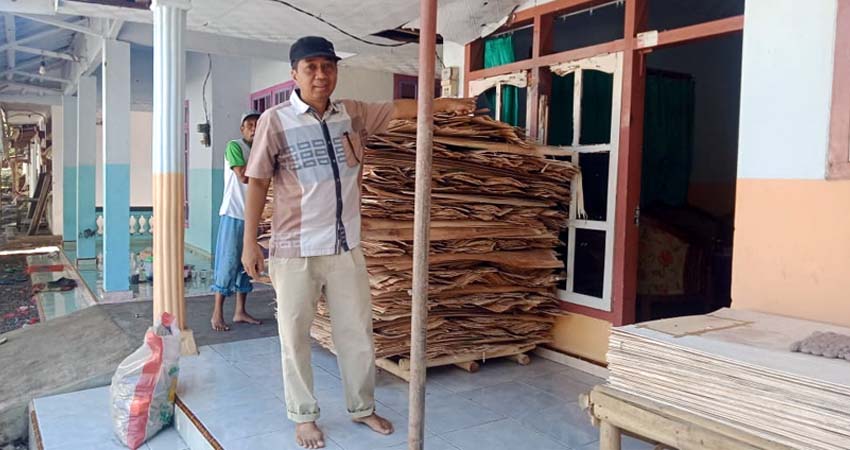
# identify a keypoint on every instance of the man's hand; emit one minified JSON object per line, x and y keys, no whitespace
{"x":253,"y":261}
{"x":407,"y":109}
{"x":460,"y":106}
{"x":252,"y":256}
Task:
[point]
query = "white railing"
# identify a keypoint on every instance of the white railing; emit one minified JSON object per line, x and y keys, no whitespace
{"x":139,"y":224}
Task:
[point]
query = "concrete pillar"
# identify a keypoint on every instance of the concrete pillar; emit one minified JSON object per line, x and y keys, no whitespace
{"x":86,"y":157}
{"x":69,"y":168}
{"x":116,"y":168}
{"x":58,"y":172}
{"x":169,"y":78}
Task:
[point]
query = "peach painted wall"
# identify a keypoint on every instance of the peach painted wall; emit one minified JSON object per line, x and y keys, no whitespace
{"x":792,"y":248}
{"x":582,"y":336}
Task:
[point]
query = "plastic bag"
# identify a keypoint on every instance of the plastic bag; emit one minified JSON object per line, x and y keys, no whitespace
{"x":144,"y":385}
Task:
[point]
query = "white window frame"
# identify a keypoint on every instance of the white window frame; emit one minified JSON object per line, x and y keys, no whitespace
{"x":610,"y":63}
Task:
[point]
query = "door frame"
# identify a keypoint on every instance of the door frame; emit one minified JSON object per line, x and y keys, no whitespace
{"x":637,"y":41}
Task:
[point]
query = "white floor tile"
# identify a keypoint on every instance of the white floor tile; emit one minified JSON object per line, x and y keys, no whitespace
{"x":229,"y":424}
{"x":249,"y":349}
{"x":354,"y":436}
{"x":507,"y":434}
{"x":278,"y":440}
{"x":561,"y":385}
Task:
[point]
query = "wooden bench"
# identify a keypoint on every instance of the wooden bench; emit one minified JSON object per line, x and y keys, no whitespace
{"x":617,"y":413}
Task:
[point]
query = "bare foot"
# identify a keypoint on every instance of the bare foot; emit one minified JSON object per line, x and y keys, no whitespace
{"x":377,"y":423}
{"x":219,"y":325}
{"x":308,"y":435}
{"x":246,"y":318}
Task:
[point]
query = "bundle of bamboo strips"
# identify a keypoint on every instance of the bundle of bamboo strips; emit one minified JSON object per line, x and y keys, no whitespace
{"x":498,"y":205}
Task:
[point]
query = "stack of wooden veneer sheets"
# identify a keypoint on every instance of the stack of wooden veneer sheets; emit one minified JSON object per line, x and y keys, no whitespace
{"x":498,"y":205}
{"x":737,"y":367}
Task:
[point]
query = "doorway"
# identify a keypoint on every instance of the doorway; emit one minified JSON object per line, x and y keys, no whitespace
{"x":688,"y":175}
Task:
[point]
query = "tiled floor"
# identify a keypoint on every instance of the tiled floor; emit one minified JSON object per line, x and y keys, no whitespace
{"x":199,"y":285}
{"x":236,"y":390}
{"x":80,"y":421}
{"x":58,"y":304}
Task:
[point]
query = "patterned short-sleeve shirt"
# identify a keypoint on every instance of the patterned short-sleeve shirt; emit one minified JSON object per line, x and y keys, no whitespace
{"x":315,"y":166}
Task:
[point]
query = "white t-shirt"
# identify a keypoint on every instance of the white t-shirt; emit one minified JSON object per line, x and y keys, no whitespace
{"x":233,"y":201}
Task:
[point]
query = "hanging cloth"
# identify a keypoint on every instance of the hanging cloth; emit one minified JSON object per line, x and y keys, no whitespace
{"x":499,"y":51}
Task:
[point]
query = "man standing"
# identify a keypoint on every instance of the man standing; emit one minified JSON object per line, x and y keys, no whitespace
{"x":230,"y":277}
{"x":312,"y":147}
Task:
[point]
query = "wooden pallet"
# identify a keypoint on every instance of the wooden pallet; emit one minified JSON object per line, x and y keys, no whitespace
{"x":466,"y":361}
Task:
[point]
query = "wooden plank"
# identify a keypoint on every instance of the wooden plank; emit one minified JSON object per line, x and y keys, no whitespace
{"x":624,"y":289}
{"x":609,"y":436}
{"x":393,"y":368}
{"x":438,"y":234}
{"x":40,"y":206}
{"x":404,"y":363}
{"x":469,"y":366}
{"x":521,"y":359}
{"x":839,"y":125}
{"x":548,"y":60}
{"x":538,"y":259}
{"x":696,"y":32}
{"x":669,"y":425}
{"x":556,"y":7}
{"x":383,"y":224}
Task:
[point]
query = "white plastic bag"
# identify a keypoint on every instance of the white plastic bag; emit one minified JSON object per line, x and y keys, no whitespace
{"x":143,"y":387}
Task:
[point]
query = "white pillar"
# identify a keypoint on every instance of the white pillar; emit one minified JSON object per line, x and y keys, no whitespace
{"x":169,"y":79}
{"x":116,"y":168}
{"x":57,"y":137}
{"x":69,"y":165}
{"x":86,"y":157}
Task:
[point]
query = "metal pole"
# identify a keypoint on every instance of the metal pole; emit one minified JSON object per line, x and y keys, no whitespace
{"x":422,"y":221}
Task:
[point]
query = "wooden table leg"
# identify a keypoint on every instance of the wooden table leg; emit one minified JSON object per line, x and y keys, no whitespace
{"x":609,"y":436}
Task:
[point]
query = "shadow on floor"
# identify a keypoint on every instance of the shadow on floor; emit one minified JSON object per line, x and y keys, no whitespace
{"x":135,"y":317}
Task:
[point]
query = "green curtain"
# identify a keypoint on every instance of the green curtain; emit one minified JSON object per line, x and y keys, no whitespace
{"x":499,"y":51}
{"x":596,"y":99}
{"x":667,"y":139}
{"x":560,"y":126}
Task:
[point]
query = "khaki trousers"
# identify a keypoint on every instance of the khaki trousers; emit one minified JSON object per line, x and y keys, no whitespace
{"x":298,"y":283}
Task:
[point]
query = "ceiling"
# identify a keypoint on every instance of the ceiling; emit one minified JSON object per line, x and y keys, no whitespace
{"x":282,"y":22}
{"x":52,"y":33}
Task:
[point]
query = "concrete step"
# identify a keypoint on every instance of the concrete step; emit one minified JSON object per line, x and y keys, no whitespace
{"x":81,"y":421}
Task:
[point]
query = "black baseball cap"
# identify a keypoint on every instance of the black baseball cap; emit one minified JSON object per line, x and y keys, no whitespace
{"x":309,"y":47}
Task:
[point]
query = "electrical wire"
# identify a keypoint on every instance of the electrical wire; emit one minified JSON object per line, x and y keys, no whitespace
{"x":204,"y":90}
{"x":320,"y":19}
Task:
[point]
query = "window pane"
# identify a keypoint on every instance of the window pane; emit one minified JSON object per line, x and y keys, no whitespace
{"x":487,"y":100}
{"x":560,"y":126}
{"x":408,"y":89}
{"x":594,"y":175}
{"x":591,"y":27}
{"x":589,"y":276}
{"x":514,"y":105}
{"x":508,"y":47}
{"x":669,"y":14}
{"x":597,"y":92}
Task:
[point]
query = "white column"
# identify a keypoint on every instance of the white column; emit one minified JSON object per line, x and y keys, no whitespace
{"x":58,"y":172}
{"x":169,"y":79}
{"x":86,"y":157}
{"x":69,"y":166}
{"x":116,"y":168}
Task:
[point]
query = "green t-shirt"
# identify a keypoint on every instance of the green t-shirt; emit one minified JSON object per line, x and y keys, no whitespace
{"x":234,"y":156}
{"x":233,"y":200}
